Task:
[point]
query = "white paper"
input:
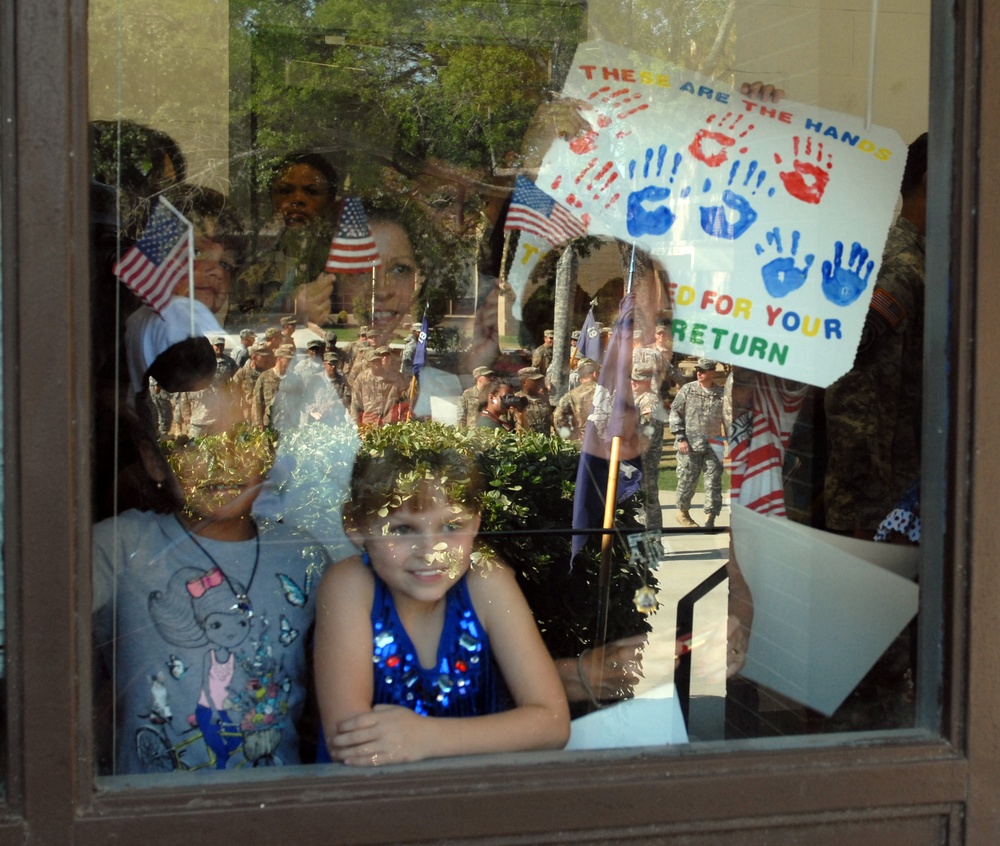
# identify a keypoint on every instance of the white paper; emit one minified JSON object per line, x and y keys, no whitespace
{"x":653,"y":719}
{"x":823,"y":612}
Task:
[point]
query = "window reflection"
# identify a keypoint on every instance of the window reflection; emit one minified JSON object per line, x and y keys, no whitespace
{"x":360,"y":287}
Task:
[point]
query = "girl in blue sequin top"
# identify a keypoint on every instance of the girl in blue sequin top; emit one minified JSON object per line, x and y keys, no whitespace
{"x":411,"y":636}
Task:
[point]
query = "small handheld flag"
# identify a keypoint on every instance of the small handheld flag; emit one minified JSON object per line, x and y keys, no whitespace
{"x":352,"y":249}
{"x":159,"y":261}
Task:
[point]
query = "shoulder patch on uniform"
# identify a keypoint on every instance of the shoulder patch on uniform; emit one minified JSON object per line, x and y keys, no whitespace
{"x":886,"y":307}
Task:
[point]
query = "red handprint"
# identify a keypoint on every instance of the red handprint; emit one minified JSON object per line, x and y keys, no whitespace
{"x":806,"y":181}
{"x":723,"y":140}
{"x":617,"y":105}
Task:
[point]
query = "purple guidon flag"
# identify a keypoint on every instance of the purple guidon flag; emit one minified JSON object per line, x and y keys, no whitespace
{"x":352,"y":249}
{"x":158,"y":262}
{"x":532,"y":210}
{"x":613,"y":415}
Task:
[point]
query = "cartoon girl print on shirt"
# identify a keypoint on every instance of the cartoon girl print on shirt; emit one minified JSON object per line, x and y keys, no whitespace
{"x":199,"y":608}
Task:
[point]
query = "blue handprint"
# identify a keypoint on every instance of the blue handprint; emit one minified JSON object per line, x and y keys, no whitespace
{"x":780,"y":275}
{"x":640,"y":220}
{"x":715,"y":222}
{"x":643,"y":221}
{"x":842,"y":286}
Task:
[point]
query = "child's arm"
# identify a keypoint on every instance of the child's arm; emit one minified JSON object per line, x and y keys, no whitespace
{"x":343,"y":644}
{"x":540,"y":720}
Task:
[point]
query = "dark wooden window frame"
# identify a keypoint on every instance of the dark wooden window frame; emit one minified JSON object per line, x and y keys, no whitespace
{"x":929,"y":786}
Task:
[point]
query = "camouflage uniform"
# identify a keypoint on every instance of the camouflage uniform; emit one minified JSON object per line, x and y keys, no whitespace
{"x":570,"y":416}
{"x":374,"y":398}
{"x":652,"y":421}
{"x":246,"y":377}
{"x":696,"y":416}
{"x":874,"y":411}
{"x":264,"y":392}
{"x":469,"y":406}
{"x":538,"y":415}
{"x":541,"y":358}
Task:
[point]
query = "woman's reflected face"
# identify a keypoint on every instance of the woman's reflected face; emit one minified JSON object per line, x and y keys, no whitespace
{"x":300,"y":195}
{"x":395,"y":280}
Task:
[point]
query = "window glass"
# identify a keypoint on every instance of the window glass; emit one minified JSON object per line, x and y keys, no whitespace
{"x":418,"y":288}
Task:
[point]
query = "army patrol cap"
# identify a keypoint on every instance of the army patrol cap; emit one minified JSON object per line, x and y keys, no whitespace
{"x":575,"y":335}
{"x":641,"y":374}
{"x":220,"y":341}
{"x":316,"y":345}
{"x":530,"y":373}
{"x":586,"y":366}
{"x":417,"y":327}
{"x":363,"y":330}
{"x":482,"y":371}
{"x":383,"y":350}
{"x":549,"y":333}
{"x":247,"y":333}
{"x":331,"y":358}
{"x":662,"y":329}
{"x":705,"y":364}
{"x":259,"y":349}
{"x":288,"y":321}
{"x":285,"y":351}
{"x":271,"y":333}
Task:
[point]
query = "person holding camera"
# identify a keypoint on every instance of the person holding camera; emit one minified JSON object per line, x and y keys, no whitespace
{"x":499,"y":400}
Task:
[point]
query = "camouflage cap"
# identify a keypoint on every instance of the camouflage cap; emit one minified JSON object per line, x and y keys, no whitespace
{"x":219,"y":340}
{"x":331,"y":358}
{"x":417,"y":327}
{"x":641,"y":374}
{"x":288,"y":321}
{"x":363,"y":330}
{"x":706,"y":364}
{"x":259,"y":349}
{"x":549,"y":333}
{"x":575,"y":335}
{"x":530,"y":373}
{"x":247,"y":333}
{"x":285,"y":351}
{"x":316,"y":344}
{"x":662,"y":328}
{"x":482,"y":371}
{"x":586,"y":366}
{"x":383,"y":350}
{"x":271,"y":332}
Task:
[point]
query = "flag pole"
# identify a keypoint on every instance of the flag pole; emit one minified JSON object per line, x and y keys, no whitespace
{"x":190,"y":255}
{"x":610,"y":501}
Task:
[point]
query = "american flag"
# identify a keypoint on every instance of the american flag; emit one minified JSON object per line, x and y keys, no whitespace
{"x":532,"y":210}
{"x":159,"y":260}
{"x":353,"y":248}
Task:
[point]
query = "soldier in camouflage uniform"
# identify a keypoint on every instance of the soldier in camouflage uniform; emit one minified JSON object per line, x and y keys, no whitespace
{"x":541,"y":358}
{"x":874,"y":411}
{"x":267,"y":411}
{"x":695,"y":419}
{"x":570,"y":416}
{"x":376,"y":394}
{"x":652,"y":419}
{"x":261,"y":360}
{"x":473,"y":399}
{"x":537,"y":417}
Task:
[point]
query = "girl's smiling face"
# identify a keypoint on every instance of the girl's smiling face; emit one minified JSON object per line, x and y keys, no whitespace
{"x":421,"y":548}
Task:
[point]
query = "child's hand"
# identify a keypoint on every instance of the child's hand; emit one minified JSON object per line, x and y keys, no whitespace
{"x":388,"y":734}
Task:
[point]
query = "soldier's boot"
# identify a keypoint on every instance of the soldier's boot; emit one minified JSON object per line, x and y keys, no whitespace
{"x":710,"y":521}
{"x":684,"y":518}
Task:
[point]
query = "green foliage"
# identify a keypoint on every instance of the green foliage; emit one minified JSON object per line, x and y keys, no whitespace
{"x":527,"y":509}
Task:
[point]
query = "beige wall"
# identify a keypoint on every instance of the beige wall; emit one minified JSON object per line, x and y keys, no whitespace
{"x":165,"y":63}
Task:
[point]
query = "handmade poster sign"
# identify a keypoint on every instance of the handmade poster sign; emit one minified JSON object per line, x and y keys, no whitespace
{"x":769,"y":218}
